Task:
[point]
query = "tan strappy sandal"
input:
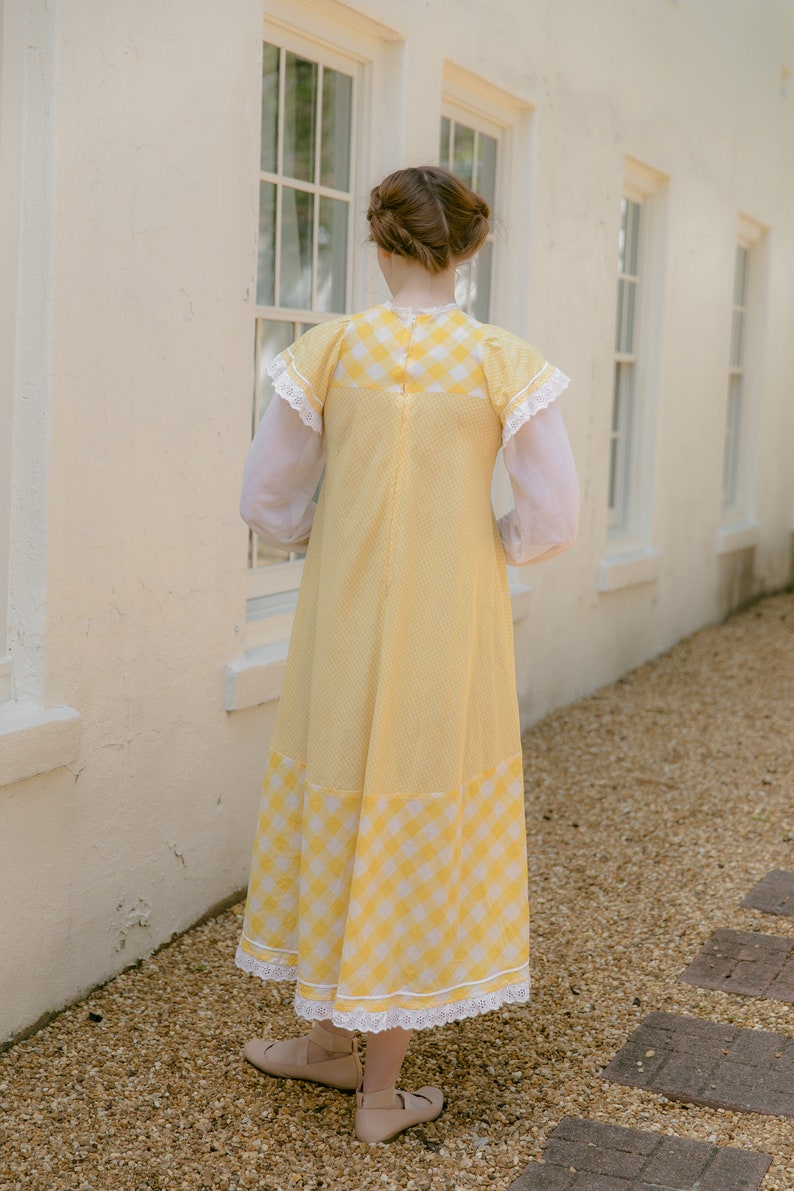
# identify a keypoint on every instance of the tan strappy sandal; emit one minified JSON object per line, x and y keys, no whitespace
{"x":290,"y":1059}
{"x":380,"y":1116}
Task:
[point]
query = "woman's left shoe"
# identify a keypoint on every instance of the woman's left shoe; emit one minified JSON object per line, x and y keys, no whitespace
{"x":380,"y":1116}
{"x":290,"y":1059}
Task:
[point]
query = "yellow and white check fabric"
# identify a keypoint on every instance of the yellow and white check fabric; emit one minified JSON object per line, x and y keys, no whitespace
{"x":389,"y":870}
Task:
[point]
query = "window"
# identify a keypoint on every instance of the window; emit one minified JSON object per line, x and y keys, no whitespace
{"x":630,"y":557}
{"x":731,"y":486}
{"x":620,"y":435}
{"x":471,"y":153}
{"x":306,"y":186}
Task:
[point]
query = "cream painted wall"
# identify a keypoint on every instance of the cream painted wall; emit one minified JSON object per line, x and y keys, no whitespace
{"x":133,"y":381}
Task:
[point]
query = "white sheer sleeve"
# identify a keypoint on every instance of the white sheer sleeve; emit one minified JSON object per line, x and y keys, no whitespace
{"x":282,"y":470}
{"x":545,"y":487}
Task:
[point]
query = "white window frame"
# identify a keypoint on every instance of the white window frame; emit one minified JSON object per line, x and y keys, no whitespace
{"x":457,"y":114}
{"x":630,"y":557}
{"x":272,"y":589}
{"x":739,"y":527}
{"x":12,"y":49}
{"x":473,"y":101}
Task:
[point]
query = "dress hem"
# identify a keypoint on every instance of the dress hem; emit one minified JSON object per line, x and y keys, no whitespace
{"x":368,"y":1022}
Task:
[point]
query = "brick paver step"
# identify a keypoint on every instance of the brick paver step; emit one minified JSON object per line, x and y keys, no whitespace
{"x":706,"y":1062}
{"x":747,"y":963}
{"x":773,"y":895}
{"x":588,"y":1156}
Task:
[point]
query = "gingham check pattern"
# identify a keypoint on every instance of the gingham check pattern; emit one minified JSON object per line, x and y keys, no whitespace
{"x":389,"y":870}
{"x":399,"y":902}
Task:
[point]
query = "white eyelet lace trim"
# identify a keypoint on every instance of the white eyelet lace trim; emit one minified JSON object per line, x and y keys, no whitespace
{"x":413,"y":1019}
{"x":549,"y":391}
{"x":292,"y":392}
{"x":258,"y":967}
{"x":372,"y":1023}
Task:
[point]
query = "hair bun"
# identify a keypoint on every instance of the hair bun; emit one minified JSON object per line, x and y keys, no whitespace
{"x":428,"y":214}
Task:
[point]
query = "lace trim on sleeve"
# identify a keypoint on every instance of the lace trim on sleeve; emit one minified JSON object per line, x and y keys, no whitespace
{"x":292,"y":393}
{"x":536,"y":401}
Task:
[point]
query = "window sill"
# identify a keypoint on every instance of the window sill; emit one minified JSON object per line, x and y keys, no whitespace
{"x":739,"y":536}
{"x":630,"y":569}
{"x":36,"y":739}
{"x":256,"y":679}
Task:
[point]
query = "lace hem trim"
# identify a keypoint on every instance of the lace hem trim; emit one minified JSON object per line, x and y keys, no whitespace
{"x":292,"y":393}
{"x":542,"y":397}
{"x":258,"y":967}
{"x":413,"y":1019}
{"x":367,"y":1022}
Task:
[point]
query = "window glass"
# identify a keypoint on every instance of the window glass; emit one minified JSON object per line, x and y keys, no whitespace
{"x":472,"y":155}
{"x":305,"y":201}
{"x":300,"y":112}
{"x":268,"y":162}
{"x":336,"y":130}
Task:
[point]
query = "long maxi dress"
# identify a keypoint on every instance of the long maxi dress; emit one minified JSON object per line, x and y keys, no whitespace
{"x":389,"y":870}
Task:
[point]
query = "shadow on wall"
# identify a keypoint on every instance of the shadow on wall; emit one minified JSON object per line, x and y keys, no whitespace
{"x":736,"y":581}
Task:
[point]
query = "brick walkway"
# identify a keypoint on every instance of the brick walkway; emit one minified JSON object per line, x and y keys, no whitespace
{"x":773,"y":895}
{"x":695,"y":1061}
{"x":746,"y":963}
{"x":587,"y":1156}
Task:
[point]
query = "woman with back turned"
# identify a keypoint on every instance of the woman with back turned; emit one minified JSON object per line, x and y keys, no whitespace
{"x":389,"y":874}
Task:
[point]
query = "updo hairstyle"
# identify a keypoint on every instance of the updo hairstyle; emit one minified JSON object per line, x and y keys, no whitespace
{"x":427,"y":214}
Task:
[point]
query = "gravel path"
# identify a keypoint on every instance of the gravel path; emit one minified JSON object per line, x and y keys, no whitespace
{"x":653,"y":807}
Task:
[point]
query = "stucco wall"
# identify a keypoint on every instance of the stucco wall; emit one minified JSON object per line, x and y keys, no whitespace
{"x":132,"y":404}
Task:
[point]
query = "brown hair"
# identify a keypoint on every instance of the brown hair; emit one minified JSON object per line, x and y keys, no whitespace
{"x":427,"y":214}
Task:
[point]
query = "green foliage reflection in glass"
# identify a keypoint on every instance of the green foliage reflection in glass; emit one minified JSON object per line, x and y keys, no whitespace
{"x":472,"y":155}
{"x":305,"y":168}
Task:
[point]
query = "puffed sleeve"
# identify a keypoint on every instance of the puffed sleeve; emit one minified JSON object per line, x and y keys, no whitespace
{"x":302,"y":373}
{"x":285,"y":459}
{"x":521,"y":381}
{"x":523,"y":387}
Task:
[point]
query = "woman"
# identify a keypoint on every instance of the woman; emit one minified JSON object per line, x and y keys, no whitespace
{"x":389,"y":869}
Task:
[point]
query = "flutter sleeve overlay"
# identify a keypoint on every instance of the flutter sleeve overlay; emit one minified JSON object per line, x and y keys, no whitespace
{"x":523,"y":387}
{"x":285,"y":459}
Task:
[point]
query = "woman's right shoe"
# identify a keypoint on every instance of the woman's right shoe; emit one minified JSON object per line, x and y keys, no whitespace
{"x":290,"y":1059}
{"x":380,"y":1116}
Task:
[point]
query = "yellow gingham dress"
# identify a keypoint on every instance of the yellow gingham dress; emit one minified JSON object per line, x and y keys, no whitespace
{"x":389,"y":874}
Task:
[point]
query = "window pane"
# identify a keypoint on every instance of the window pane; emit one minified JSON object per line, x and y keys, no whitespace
{"x":300,"y":115}
{"x":463,"y":153}
{"x":620,"y":445}
{"x":481,"y":304}
{"x":628,"y":237}
{"x":486,"y":167}
{"x":297,"y":214}
{"x":265,"y":269}
{"x":335,"y":146}
{"x":332,"y":255}
{"x":271,"y":338}
{"x":269,"y":145}
{"x":624,"y":339}
{"x":730,"y":469}
{"x":443,"y":153}
{"x":737,"y":339}
{"x":740,"y":278}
